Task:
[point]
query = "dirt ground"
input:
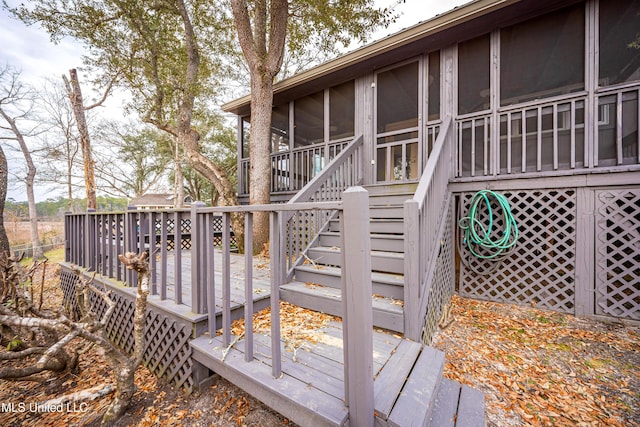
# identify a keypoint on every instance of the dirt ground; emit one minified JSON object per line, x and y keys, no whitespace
{"x":536,"y":368}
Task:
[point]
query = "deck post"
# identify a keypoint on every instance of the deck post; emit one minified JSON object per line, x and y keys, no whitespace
{"x":198,"y":259}
{"x":411,"y":269}
{"x":357,"y":307}
{"x":89,"y":240}
{"x":131,"y":241}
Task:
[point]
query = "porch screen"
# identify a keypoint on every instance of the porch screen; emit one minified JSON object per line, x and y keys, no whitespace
{"x":397,"y":99}
{"x":619,"y":63}
{"x":397,"y":102}
{"x":342,"y":111}
{"x":246,"y":136}
{"x":474,"y":76}
{"x":309,"y":120}
{"x":619,"y":42}
{"x":433,"y":86}
{"x":536,"y":62}
{"x":280,"y":128}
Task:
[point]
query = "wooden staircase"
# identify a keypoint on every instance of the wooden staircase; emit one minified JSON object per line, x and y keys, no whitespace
{"x":316,"y":284}
{"x":409,"y":389}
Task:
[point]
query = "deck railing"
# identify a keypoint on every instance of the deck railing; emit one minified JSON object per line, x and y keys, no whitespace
{"x":357,"y":320}
{"x":552,"y":136}
{"x":303,"y":226}
{"x":422,"y":216}
{"x":93,"y":240}
{"x":292,"y":170}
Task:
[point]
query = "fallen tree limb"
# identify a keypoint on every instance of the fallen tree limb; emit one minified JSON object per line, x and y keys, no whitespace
{"x":87,"y":394}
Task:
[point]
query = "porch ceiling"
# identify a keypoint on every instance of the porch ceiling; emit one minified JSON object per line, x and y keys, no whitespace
{"x":459,"y":24}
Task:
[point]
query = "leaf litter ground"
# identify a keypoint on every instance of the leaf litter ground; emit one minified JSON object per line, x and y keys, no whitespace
{"x":539,"y":367}
{"x":536,"y":367}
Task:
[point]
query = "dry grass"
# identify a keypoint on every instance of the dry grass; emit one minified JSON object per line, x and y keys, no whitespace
{"x":18,"y":231}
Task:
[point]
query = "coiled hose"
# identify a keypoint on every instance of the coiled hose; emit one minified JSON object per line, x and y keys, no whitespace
{"x":483,"y":241}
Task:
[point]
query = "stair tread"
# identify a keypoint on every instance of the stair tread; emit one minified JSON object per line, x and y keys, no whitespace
{"x":470,"y":407}
{"x":390,"y":380}
{"x":332,"y":249}
{"x":379,"y":304}
{"x":376,"y":220}
{"x":372,"y":235}
{"x":416,"y":400}
{"x":386,"y":188}
{"x":392,"y":279}
{"x":446,"y":404}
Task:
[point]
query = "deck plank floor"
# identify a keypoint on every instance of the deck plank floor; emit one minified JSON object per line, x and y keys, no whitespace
{"x":261,"y":284}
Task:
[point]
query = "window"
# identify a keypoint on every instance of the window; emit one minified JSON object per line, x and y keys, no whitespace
{"x":536,"y":62}
{"x":619,"y":28}
{"x":474,"y":75}
{"x":309,"y":122}
{"x":342,"y":111}
{"x":280,"y":128}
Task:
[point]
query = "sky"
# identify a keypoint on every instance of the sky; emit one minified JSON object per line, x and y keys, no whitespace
{"x":30,"y":50}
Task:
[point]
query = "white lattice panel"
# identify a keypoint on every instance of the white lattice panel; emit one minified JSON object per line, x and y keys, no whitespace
{"x":618,"y":253}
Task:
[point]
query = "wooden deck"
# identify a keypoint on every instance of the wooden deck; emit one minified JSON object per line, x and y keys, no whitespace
{"x":261,"y":285}
{"x":408,"y":387}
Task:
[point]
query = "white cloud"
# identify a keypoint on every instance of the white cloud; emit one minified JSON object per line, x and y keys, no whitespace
{"x":30,"y":50}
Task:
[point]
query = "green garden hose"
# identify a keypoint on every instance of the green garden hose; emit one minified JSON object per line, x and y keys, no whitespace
{"x":481,"y":239}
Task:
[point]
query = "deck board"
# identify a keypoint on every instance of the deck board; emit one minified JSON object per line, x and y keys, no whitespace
{"x":318,"y":365}
{"x":261,"y":285}
{"x":288,"y":395}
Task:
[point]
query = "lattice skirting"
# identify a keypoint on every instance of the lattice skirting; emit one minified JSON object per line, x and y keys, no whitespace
{"x":167,"y":353}
{"x":618,"y":252}
{"x":442,"y":284}
{"x":541,"y":270}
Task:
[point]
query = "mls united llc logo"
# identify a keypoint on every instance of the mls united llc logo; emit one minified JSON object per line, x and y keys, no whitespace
{"x":43,"y":407}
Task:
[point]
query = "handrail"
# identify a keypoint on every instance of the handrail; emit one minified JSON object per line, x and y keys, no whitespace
{"x":303,"y":228}
{"x":420,"y":195}
{"x":309,"y":190}
{"x":422,"y":215}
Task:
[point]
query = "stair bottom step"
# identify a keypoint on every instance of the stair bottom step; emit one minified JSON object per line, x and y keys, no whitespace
{"x":387,"y":313}
{"x":458,"y":405}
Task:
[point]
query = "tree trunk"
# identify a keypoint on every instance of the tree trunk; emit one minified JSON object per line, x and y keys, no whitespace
{"x":260,"y":154}
{"x":29,"y":179}
{"x":178,"y":180}
{"x":4,"y":240}
{"x":124,"y":373}
{"x":263,"y":49}
{"x":77,"y":104}
{"x":125,"y":367}
{"x":188,"y":138}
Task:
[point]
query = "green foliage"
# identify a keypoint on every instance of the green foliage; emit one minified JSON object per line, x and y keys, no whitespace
{"x":143,"y":44}
{"x":329,"y":24}
{"x":14,"y":343}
